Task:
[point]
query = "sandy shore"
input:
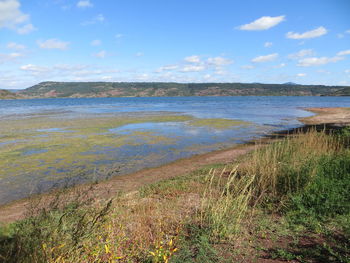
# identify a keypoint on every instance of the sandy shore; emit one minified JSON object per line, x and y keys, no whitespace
{"x":327,"y":116}
{"x":127,"y":183}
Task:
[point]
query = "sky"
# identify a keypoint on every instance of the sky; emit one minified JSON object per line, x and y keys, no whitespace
{"x":266,"y":41}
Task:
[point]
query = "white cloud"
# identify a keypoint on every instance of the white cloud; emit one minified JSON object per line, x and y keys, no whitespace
{"x":247,"y":67}
{"x":10,"y":56}
{"x":34,"y":69}
{"x":13,"y":45}
{"x":347,"y":71}
{"x":340,"y":35}
{"x":101,"y":54}
{"x":84,"y":4}
{"x":119,"y":35}
{"x":139,"y":54}
{"x":344,"y":52}
{"x":107,"y":78}
{"x":193,"y":68}
{"x":26,"y":29}
{"x":301,"y":75}
{"x":53,"y":44}
{"x":265,"y":58}
{"x":97,"y":19}
{"x":219,"y":61}
{"x":220,"y":72}
{"x":207,"y":76}
{"x":96,"y":42}
{"x":100,"y":18}
{"x":323,"y":71}
{"x":268,"y":44}
{"x":315,"y":61}
{"x":143,"y":76}
{"x":301,"y":53}
{"x":192,"y":59}
{"x":282,"y":65}
{"x":320,"y":31}
{"x":11,"y":17}
{"x":347,"y":31}
{"x":167,"y":68}
{"x":263,"y":23}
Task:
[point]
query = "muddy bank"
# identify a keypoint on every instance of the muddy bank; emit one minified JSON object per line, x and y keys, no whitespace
{"x":329,"y":118}
{"x":340,"y":116}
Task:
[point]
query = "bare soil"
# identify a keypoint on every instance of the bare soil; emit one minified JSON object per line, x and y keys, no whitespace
{"x":327,"y":116}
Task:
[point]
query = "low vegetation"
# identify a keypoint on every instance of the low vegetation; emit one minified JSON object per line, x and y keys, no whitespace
{"x":288,"y":201}
{"x":7,"y":95}
{"x":168,"y":89}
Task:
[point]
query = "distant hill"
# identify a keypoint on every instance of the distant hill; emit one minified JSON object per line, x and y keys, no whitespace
{"x":161,"y":89}
{"x":342,"y":92}
{"x":290,"y":83}
{"x":5,"y":94}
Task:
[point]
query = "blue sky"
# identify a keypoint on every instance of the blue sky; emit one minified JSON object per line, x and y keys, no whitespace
{"x":269,"y":41}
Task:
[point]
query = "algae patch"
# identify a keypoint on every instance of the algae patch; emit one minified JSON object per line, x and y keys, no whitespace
{"x":218,"y":123}
{"x":46,"y":149}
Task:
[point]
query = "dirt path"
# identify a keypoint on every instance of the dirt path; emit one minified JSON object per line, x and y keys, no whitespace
{"x":17,"y":210}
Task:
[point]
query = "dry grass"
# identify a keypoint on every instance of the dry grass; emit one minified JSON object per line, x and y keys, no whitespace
{"x":149,"y":226}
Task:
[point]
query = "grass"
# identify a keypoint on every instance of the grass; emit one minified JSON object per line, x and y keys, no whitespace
{"x":286,"y":201}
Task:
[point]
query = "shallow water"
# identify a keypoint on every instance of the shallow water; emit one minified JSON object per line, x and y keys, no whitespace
{"x":44,"y":142}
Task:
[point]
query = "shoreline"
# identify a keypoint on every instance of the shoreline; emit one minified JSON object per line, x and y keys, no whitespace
{"x":106,"y":189}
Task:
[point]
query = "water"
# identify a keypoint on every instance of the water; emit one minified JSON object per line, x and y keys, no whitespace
{"x":262,"y":110}
{"x":42,"y":150}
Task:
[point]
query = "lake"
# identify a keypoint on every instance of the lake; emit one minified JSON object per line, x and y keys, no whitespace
{"x":46,"y":143}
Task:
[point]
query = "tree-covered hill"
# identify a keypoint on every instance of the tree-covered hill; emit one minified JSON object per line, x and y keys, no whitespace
{"x":7,"y":95}
{"x":161,"y":89}
{"x":342,"y":92}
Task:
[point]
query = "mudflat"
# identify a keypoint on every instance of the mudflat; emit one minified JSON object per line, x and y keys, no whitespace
{"x":328,"y":115}
{"x":128,"y":183}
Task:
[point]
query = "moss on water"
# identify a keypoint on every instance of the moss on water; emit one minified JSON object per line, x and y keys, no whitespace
{"x":48,"y":148}
{"x":218,"y":123}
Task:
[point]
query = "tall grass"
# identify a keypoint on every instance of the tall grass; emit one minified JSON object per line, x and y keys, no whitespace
{"x":225,"y":202}
{"x":304,"y":176}
{"x":268,"y":176}
{"x":287,"y":166}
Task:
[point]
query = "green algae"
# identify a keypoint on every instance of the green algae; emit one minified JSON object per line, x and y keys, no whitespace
{"x":67,"y":147}
{"x":218,"y":123}
{"x":68,"y":150}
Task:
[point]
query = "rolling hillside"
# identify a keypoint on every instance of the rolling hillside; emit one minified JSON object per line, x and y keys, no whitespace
{"x":7,"y":95}
{"x":158,"y":89}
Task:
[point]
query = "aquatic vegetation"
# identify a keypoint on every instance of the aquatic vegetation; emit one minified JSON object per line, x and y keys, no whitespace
{"x":219,"y":123}
{"x":48,"y":148}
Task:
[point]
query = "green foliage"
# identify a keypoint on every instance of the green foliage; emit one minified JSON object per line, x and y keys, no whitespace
{"x":327,"y":194}
{"x":196,"y":247}
{"x":52,"y":231}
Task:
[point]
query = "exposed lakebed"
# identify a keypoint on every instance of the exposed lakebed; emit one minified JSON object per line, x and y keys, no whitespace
{"x":50,"y":143}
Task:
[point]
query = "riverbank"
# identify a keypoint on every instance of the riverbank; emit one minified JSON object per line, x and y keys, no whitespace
{"x":287,"y":201}
{"x":340,"y":116}
{"x":132,"y":182}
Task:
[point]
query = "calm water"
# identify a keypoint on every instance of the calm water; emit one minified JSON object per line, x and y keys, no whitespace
{"x":266,"y":113}
{"x":261,"y":110}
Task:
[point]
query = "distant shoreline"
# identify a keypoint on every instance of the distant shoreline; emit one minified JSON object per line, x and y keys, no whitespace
{"x":52,"y":89}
